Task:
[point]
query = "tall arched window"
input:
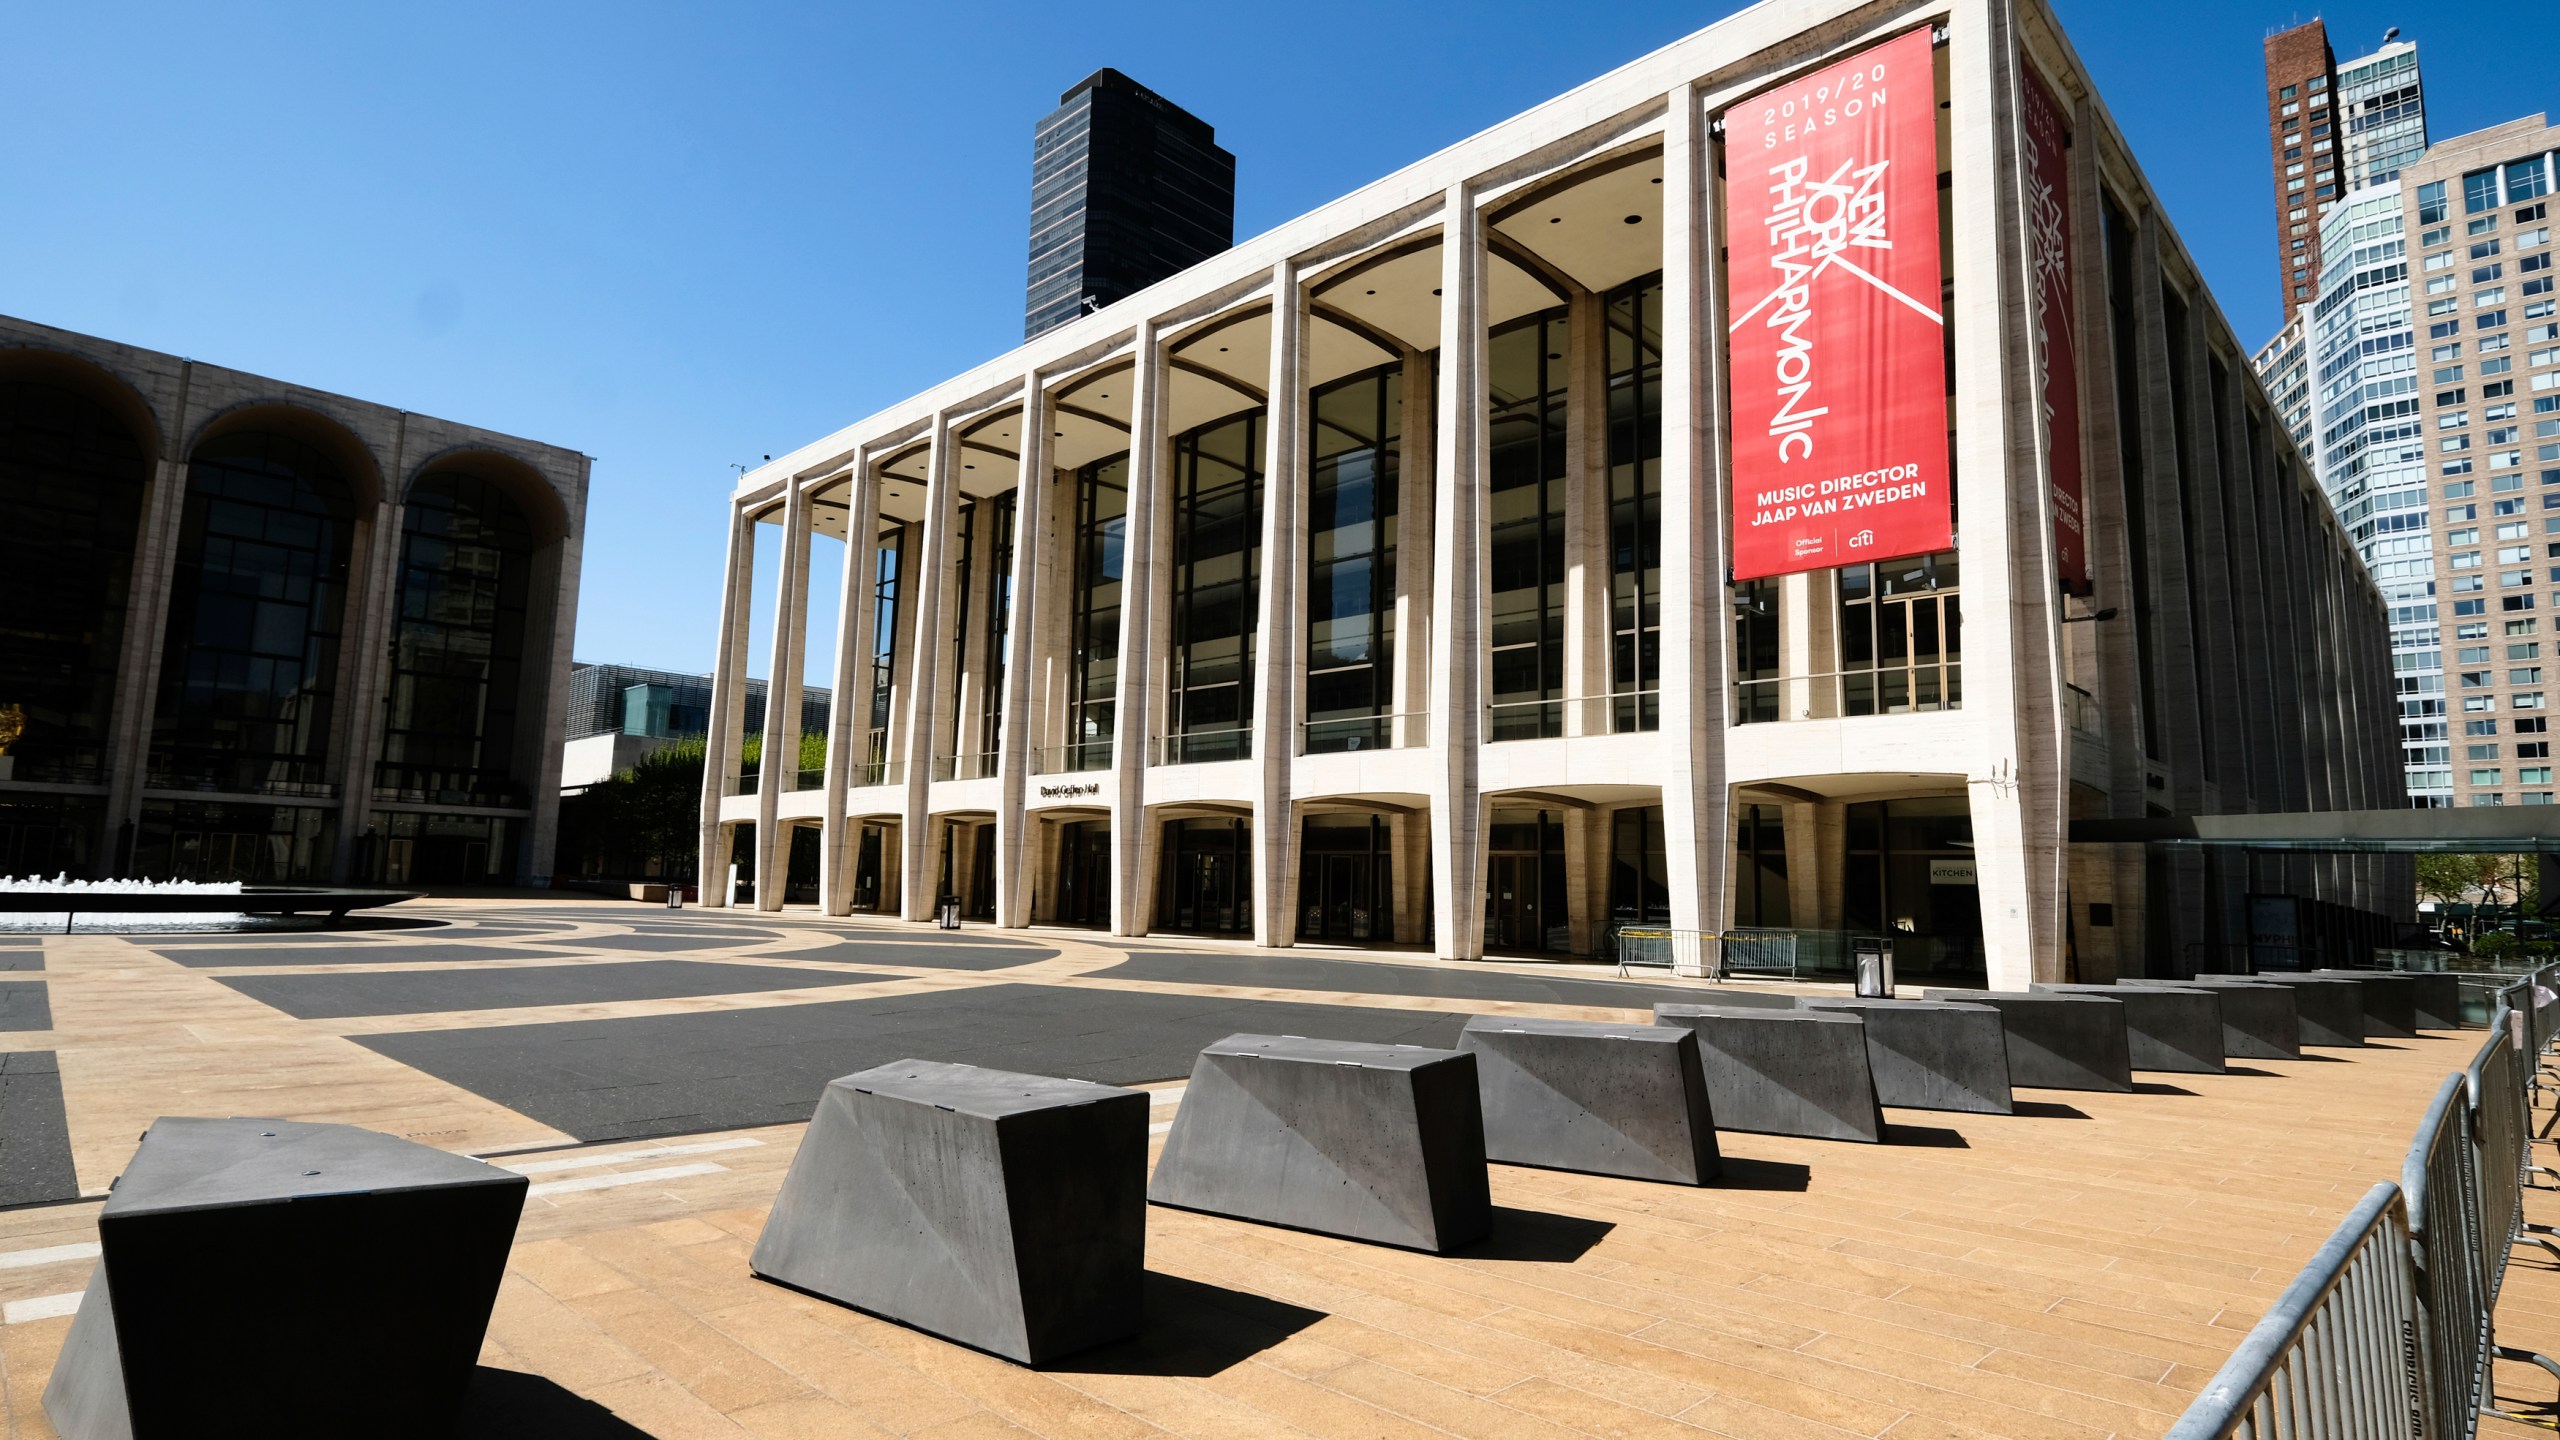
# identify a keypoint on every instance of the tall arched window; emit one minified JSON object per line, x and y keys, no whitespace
{"x":249,"y":671}
{"x":457,"y":652}
{"x":71,"y":483}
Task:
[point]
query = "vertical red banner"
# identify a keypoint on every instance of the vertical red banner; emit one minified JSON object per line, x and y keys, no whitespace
{"x":1839,"y":376}
{"x":2048,"y":194}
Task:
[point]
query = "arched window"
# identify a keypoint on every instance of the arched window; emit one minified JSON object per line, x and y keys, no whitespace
{"x":457,"y":654}
{"x":249,"y":672}
{"x":71,"y":483}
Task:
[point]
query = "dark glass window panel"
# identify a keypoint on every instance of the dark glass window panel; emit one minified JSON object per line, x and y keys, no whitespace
{"x":457,"y":663}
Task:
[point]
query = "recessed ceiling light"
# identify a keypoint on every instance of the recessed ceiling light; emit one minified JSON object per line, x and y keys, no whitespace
{"x":1555,"y":219}
{"x":973,"y":467}
{"x":1222,"y":349}
{"x":1106,"y":394}
{"x":1554,"y":355}
{"x":1657,"y":179}
{"x":1635,"y":219}
{"x":1372,"y":292}
{"x":1435,"y":289}
{"x":1062,"y":434}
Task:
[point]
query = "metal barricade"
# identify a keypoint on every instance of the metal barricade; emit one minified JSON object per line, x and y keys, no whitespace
{"x":1759,"y":952}
{"x":1682,"y":952}
{"x":2442,"y":1199}
{"x":2335,"y":1355}
{"x":2499,"y":1127}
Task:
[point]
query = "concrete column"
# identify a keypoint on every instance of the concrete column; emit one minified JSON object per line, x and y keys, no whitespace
{"x":552,"y":620}
{"x":1133,"y":847}
{"x":146,"y":625}
{"x":1586,"y":861}
{"x":1021,"y":730}
{"x":969,"y":695}
{"x":780,"y":769}
{"x":1458,"y":586}
{"x":364,"y":659}
{"x":1279,"y":642}
{"x":850,"y":714}
{"x":2017,"y":779}
{"x":1416,"y":466}
{"x":726,"y":732}
{"x":924,"y":695}
{"x":1586,"y":519}
{"x":1409,"y":849}
{"x":1697,"y":620}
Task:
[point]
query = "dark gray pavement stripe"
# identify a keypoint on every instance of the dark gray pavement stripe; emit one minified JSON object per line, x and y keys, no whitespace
{"x":24,"y":1006}
{"x":1452,"y":981}
{"x":425,"y":992}
{"x":35,"y":1133}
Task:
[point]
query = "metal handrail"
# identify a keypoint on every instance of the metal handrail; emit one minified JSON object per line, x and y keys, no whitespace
{"x":1079,"y":758}
{"x":1204,"y":747}
{"x":964,"y":767}
{"x":2333,"y":1354}
{"x":2443,"y":1204}
{"x":1378,"y":731}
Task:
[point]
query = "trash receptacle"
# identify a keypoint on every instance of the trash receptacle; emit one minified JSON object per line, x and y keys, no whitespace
{"x":947,"y":914}
{"x":675,"y":896}
{"x":1874,"y":962}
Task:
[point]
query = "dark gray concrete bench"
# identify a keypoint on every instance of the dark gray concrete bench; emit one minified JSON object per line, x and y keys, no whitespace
{"x":1932,"y":1054}
{"x":2058,"y":1042}
{"x":1007,"y":1212}
{"x":1375,"y":1142}
{"x":2330,"y":1011}
{"x":1784,"y":1072}
{"x":2439,"y":999}
{"x":2259,"y":1022}
{"x":285,"y":1279}
{"x":1600,"y":1098}
{"x":2165,"y":1028}
{"x":2390,"y":1001}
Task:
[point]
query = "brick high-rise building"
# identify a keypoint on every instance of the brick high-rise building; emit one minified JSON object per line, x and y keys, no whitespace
{"x":2302,"y":138}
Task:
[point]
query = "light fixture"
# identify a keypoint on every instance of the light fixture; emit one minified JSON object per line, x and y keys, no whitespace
{"x":1635,"y":219}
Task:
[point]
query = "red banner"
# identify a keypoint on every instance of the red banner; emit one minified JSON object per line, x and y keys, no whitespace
{"x":2049,"y":207}
{"x":1837,"y":342}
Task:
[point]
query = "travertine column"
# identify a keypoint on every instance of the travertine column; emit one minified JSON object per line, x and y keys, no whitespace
{"x":923,"y":694}
{"x":1586,"y":519}
{"x":1279,"y":641}
{"x":1416,"y":466}
{"x":1021,"y":729}
{"x":146,"y":625}
{"x":849,"y":717}
{"x":1134,"y":705}
{"x":1458,"y":586}
{"x":780,"y":769}
{"x":727,"y":722}
{"x":1696,"y":619}
{"x":365,"y":661}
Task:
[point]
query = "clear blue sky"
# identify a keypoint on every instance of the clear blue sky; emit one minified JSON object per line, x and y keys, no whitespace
{"x":678,"y":237}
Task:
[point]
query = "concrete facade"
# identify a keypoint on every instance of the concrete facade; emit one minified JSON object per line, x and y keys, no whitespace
{"x":2232,"y":657}
{"x":171,"y":408}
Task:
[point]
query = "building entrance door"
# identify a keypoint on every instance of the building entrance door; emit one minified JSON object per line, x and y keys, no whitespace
{"x":1084,"y":875}
{"x":1511,"y":918}
{"x":1345,"y":880}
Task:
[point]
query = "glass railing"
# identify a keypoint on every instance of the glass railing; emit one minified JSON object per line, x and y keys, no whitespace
{"x":2086,"y":717}
{"x":1579,"y":715}
{"x":1336,"y":734}
{"x":964,"y":767}
{"x":1897,"y":690}
{"x":1200,"y":747}
{"x":1071,"y":759}
{"x":878,"y":772}
{"x":810,"y":779}
{"x":747,"y":782}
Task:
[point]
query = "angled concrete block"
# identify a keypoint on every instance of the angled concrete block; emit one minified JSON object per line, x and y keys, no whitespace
{"x":1007,"y":1212}
{"x":2058,"y":1042}
{"x":1784,"y":1072}
{"x":2390,"y":1001}
{"x":2438,"y":996}
{"x":2176,"y":1028}
{"x":261,"y":1278}
{"x":1932,"y":1054}
{"x":2259,"y":1022}
{"x":1374,"y":1142}
{"x":1585,"y":1095}
{"x":2331,"y":1011}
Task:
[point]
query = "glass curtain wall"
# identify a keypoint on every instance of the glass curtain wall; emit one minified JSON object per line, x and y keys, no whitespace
{"x":250,"y":669}
{"x":457,"y":656}
{"x":1757,"y":678}
{"x":1635,"y":505}
{"x":1526,"y":366}
{"x":1093,"y":679}
{"x":1639,"y":868}
{"x":71,"y":482}
{"x":892,"y":549}
{"x":963,"y":763}
{"x":1524,"y":894}
{"x":1217,"y":560}
{"x":1346,"y":875}
{"x":1351,"y":562}
{"x":1760,"y":897}
{"x":999,"y":639}
{"x":1901,"y":636}
{"x":1910,"y":877}
{"x":1207,"y":884}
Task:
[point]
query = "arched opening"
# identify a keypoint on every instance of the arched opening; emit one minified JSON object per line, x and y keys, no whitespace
{"x":249,"y":666}
{"x":73,"y":472}
{"x":456,"y":692}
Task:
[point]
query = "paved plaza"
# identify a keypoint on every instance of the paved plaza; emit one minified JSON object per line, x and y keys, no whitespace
{"x":2077,"y":1269}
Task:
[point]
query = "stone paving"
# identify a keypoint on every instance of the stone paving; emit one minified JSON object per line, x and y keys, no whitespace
{"x":2077,"y":1269}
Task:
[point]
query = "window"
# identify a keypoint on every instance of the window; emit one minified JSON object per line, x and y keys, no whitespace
{"x":1901,"y":636}
{"x":1093,"y":676}
{"x":1217,"y":554}
{"x":2479,"y":752}
{"x":2432,"y":205}
{"x":2481,"y":727}
{"x":2529,"y":675}
{"x":2525,"y":180}
{"x":2530,"y":650}
{"x":2288,"y":93}
{"x":2483,"y":274}
{"x":2484,"y":777}
{"x":1635,"y":505}
{"x":2479,"y":191}
{"x":2438,"y":236}
{"x":2533,"y":775}
{"x":2458,"y":489}
{"x":2484,"y":249}
{"x":457,"y":658}
{"x":1527,"y":505}
{"x":1351,"y":540}
{"x":2463,"y":537}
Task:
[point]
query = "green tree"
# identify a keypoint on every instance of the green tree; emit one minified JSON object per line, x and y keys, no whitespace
{"x":2450,"y":879}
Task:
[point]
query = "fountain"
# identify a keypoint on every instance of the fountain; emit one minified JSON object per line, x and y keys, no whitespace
{"x":63,"y":905}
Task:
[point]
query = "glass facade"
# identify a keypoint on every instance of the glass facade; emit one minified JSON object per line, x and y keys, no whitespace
{"x":71,"y":484}
{"x":1002,"y":513}
{"x":1351,"y":561}
{"x":1639,"y":867}
{"x":1346,"y":880}
{"x":457,"y":650}
{"x":1093,"y":677}
{"x":249,"y":671}
{"x":2384,"y":109}
{"x":1901,"y":636}
{"x":892,"y":550}
{"x":1524,"y":892}
{"x":1527,"y":363}
{"x":1207,"y":884}
{"x":1635,"y":505}
{"x":1217,"y":560}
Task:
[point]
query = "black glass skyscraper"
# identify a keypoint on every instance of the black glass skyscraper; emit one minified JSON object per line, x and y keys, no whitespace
{"x":1126,"y":188}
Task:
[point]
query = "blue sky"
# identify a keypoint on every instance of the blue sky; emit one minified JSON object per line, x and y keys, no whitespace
{"x":679,"y":237}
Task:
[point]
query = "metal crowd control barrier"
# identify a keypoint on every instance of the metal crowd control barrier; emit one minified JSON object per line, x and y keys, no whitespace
{"x":1706,"y":956}
{"x":2391,"y":1329}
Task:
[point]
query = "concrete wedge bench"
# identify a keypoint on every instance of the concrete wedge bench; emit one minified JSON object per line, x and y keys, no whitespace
{"x":1007,"y":1212}
{"x":1784,"y":1072}
{"x":2439,"y":999}
{"x":1587,"y":1095}
{"x":1932,"y":1054}
{"x":2390,"y":1000}
{"x":2057,"y":1042}
{"x":262,"y":1277}
{"x":2169,"y":1028}
{"x":2259,"y":1022}
{"x":1383,"y":1143}
{"x":2331,"y":1010}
